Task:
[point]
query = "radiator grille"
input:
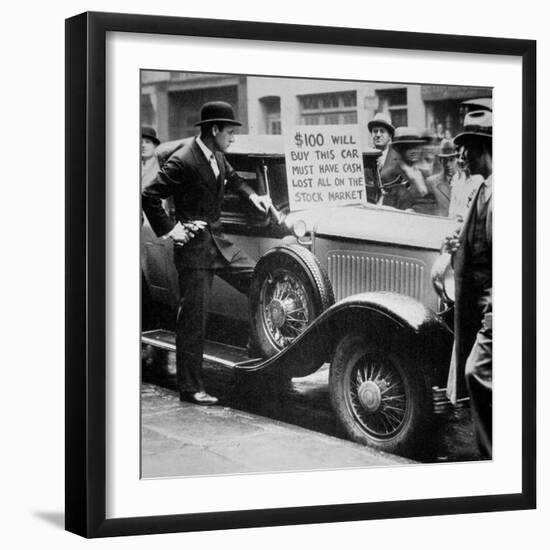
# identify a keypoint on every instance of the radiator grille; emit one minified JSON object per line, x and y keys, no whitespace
{"x":351,"y":273}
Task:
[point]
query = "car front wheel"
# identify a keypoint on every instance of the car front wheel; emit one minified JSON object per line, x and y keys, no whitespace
{"x":380,"y":397}
{"x":289,"y":290}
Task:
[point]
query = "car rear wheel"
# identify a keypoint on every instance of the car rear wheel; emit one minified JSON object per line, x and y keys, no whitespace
{"x":380,"y":397}
{"x":289,"y":290}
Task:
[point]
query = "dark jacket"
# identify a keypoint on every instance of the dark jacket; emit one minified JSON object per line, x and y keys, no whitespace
{"x":198,"y":195}
{"x":467,"y":313}
{"x":399,"y":196}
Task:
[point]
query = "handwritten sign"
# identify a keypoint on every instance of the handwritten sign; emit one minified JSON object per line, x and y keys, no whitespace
{"x":324,"y":166}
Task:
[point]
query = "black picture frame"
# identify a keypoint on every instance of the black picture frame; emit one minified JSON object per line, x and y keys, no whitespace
{"x":86,"y":284}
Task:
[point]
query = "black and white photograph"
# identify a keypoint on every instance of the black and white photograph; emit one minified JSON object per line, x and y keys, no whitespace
{"x":316,"y":273}
{"x":283,"y":246}
{"x":248,"y":286}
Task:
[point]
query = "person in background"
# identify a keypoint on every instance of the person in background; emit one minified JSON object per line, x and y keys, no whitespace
{"x":149,"y":163}
{"x":196,"y":176}
{"x":429,"y":162}
{"x":440,"y":185}
{"x":381,"y":131}
{"x":471,"y":249}
{"x":403,"y":169}
{"x":463,"y":186}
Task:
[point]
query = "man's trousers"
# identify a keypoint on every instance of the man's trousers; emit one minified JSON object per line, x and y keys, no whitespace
{"x":479,"y":377}
{"x":195,"y":287}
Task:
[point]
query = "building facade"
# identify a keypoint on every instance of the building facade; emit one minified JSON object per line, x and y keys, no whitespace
{"x":171,"y":101}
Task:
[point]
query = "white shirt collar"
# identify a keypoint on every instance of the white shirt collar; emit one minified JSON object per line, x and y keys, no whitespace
{"x":210,"y":157}
{"x":207,"y":153}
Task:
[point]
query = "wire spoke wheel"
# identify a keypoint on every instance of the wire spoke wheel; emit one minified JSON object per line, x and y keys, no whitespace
{"x":286,"y":307}
{"x":288,"y":292}
{"x":377,"y":396}
{"x":381,"y":395}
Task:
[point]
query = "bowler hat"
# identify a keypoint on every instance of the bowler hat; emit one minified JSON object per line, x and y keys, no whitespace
{"x":381,"y":119}
{"x":407,"y":135}
{"x":447,"y":149}
{"x":217,"y":111}
{"x":476,"y":123}
{"x":150,"y":133}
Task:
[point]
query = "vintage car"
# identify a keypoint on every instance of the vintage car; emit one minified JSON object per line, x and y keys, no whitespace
{"x":349,"y":285}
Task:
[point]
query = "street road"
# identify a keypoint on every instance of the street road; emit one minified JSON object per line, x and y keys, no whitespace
{"x":304,"y":402}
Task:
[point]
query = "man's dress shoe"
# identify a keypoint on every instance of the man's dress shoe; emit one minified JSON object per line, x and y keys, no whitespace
{"x":199,"y":398}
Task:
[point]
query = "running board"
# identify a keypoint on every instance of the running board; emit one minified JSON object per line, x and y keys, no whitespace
{"x":236,"y":357}
{"x":232,"y":355}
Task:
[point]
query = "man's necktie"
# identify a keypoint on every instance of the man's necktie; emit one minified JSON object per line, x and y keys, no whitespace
{"x":214,"y":165}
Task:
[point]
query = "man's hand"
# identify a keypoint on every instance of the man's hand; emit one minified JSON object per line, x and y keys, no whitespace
{"x":261,"y":202}
{"x":180,"y":234}
{"x":451,"y":243}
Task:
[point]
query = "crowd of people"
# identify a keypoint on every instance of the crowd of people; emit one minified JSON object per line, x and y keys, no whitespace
{"x":421,"y":172}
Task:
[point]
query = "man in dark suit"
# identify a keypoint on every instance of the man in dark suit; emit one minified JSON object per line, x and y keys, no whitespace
{"x":472,"y":251}
{"x":195,"y":177}
{"x":381,"y":131}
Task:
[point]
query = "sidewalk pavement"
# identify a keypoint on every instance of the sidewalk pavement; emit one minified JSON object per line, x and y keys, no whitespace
{"x":183,"y":439}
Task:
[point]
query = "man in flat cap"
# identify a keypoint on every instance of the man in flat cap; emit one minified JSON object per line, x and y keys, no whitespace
{"x":195,"y":175}
{"x":472,"y":249}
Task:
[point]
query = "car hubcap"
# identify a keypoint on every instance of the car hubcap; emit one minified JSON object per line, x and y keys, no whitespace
{"x":370,"y":396}
{"x":377,"y":396}
{"x":276,"y":312}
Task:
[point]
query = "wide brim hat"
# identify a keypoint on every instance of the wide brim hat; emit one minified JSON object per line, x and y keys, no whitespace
{"x":381,"y":119}
{"x":217,"y":111}
{"x":447,"y":149}
{"x":479,"y":104}
{"x":150,"y":133}
{"x":476,"y":124}
{"x":407,"y":135}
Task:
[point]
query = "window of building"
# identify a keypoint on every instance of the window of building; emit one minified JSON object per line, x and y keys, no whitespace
{"x":271,"y":113}
{"x":330,"y":108}
{"x":394,"y":102}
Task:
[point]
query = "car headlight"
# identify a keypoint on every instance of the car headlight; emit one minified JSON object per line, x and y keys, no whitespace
{"x":443,"y":278}
{"x":299,"y":228}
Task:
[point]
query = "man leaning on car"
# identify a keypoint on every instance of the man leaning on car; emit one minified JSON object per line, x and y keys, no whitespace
{"x":195,"y":176}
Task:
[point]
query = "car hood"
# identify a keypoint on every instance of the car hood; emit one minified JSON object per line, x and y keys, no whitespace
{"x":376,"y":223}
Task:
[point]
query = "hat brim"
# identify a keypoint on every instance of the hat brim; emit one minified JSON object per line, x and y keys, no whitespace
{"x":155,"y":140}
{"x":464,"y":136}
{"x":447,"y":155}
{"x":224,"y":120}
{"x":373,"y":123}
{"x":409,"y":142}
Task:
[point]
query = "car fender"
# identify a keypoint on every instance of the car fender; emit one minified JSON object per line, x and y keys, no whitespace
{"x":403,"y":322}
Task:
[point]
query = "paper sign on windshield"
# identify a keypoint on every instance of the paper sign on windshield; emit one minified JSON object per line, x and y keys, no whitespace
{"x":324,"y":166}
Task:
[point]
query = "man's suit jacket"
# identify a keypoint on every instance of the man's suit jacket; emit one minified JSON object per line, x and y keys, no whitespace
{"x":198,"y":195}
{"x":467,"y":315}
{"x":399,"y":196}
{"x":387,"y":173}
{"x":441,"y":190}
